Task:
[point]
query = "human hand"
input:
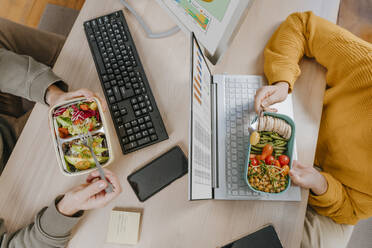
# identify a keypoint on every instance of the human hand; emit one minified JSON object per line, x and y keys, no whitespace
{"x":55,"y":95}
{"x":268,"y":95}
{"x":90,"y":195}
{"x":308,"y":177}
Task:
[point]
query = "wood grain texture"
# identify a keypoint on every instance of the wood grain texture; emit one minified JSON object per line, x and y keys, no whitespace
{"x":32,"y":179}
{"x":356,"y":16}
{"x":29,"y":12}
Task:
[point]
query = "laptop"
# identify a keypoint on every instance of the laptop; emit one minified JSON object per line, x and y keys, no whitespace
{"x":222,"y":106}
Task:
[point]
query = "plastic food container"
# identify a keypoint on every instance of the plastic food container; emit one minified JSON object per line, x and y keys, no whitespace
{"x":289,"y":151}
{"x":61,"y":144}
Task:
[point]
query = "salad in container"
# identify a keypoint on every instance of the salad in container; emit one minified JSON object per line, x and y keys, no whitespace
{"x":70,"y":120}
{"x":270,"y":154}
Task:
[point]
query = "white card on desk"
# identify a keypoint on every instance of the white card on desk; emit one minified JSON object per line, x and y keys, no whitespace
{"x":124,"y":227}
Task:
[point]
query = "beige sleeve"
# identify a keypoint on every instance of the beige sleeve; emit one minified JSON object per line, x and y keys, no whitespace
{"x":50,"y":229}
{"x":22,"y":76}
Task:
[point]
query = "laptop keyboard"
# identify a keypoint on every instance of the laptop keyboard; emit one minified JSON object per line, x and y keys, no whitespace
{"x":239,"y":104}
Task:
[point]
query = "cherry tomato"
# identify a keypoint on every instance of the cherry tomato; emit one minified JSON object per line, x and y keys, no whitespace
{"x":269,"y":160}
{"x":284,"y":160}
{"x":252,"y":156}
{"x":285,"y":170}
{"x":84,"y":107}
{"x":254,"y":162}
{"x":267,"y":151}
{"x":277,"y":163}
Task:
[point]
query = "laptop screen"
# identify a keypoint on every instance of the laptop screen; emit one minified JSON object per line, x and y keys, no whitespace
{"x":200,"y":154}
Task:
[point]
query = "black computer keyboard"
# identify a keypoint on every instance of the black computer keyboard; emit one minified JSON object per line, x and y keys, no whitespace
{"x":132,"y":106}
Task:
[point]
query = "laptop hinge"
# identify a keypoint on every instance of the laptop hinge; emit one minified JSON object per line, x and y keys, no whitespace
{"x":214,"y":134}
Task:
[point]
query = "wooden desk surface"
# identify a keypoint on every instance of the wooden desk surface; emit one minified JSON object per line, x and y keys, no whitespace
{"x":32,"y":179}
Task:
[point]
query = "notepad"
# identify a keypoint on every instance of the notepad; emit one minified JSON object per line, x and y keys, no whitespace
{"x":124,"y":227}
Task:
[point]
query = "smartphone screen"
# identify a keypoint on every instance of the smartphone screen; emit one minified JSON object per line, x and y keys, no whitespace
{"x":159,"y":173}
{"x":266,"y":237}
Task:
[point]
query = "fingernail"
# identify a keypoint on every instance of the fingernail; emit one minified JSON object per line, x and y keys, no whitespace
{"x":102,"y":185}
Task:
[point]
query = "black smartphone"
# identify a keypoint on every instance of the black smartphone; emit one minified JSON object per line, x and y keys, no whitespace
{"x":159,"y":173}
{"x":266,"y":237}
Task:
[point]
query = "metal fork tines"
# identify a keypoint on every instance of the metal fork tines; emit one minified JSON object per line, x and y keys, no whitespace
{"x":85,"y":138}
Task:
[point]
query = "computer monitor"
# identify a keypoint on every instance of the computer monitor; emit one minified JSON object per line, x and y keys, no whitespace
{"x":214,"y":22}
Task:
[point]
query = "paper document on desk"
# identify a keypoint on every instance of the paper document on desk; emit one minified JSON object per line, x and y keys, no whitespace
{"x":124,"y":227}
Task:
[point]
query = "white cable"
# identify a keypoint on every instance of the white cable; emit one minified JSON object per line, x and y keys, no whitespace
{"x":148,"y":31}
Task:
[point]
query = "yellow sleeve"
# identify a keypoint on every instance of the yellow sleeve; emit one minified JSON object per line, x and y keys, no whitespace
{"x":336,"y":203}
{"x":307,"y":34}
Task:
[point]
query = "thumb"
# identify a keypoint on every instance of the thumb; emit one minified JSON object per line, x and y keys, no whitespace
{"x":92,"y":189}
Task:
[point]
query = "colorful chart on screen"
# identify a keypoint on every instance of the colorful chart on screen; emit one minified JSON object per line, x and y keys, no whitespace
{"x":204,"y":12}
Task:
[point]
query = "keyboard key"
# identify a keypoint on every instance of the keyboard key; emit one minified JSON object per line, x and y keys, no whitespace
{"x":110,"y":92}
{"x":130,"y":131}
{"x":114,"y":107}
{"x":136,"y":129}
{"x":134,"y":123}
{"x":119,"y":120}
{"x":143,"y":126}
{"x":122,"y":131}
{"x":138,"y":113}
{"x":125,"y":140}
{"x":145,"y":133}
{"x":149,"y":124}
{"x":132,"y":138}
{"x":147,"y":118}
{"x":126,"y":93}
{"x":105,"y":78}
{"x":136,"y":107}
{"x":127,"y":125}
{"x":141,"y":120}
{"x":112,"y":99}
{"x":116,"y":113}
{"x":123,"y":111}
{"x":138,"y":136}
{"x":130,"y":146}
{"x":154,"y":137}
{"x":151,"y":130}
{"x":143,"y":141}
{"x":117,"y":93}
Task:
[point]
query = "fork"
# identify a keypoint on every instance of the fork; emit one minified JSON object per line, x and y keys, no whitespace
{"x":85,"y":137}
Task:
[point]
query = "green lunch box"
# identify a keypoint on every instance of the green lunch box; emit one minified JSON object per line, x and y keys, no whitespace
{"x":289,"y":152}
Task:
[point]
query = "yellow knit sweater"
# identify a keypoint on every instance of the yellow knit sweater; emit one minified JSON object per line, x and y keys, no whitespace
{"x":344,"y":149}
